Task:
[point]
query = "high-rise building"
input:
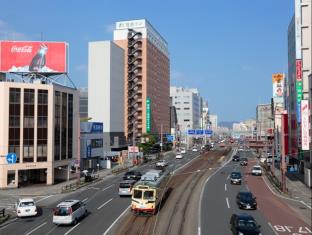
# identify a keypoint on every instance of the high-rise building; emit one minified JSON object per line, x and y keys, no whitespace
{"x":204,"y":116}
{"x":299,"y":69}
{"x":213,"y":119}
{"x":39,"y":125}
{"x":106,"y":91}
{"x":146,"y":79}
{"x":264,"y":122}
{"x":187,"y":103}
{"x":83,"y":102}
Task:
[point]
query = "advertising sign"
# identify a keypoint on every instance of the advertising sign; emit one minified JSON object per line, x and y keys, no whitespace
{"x":37,"y":57}
{"x":305,"y":125}
{"x":148,"y":115}
{"x":91,"y":127}
{"x":89,"y":149}
{"x":298,"y":70}
{"x":284,"y":133}
{"x":133,"y":149}
{"x":278,"y":87}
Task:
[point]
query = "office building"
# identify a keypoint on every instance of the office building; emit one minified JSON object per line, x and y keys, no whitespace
{"x":187,"y":103}
{"x":213,"y":119}
{"x":83,"y":103}
{"x":39,"y":124}
{"x":146,"y":64}
{"x":106,"y":91}
{"x":264,"y":122}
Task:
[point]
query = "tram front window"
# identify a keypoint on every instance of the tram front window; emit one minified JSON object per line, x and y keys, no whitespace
{"x":149,"y":195}
{"x":137,"y":194}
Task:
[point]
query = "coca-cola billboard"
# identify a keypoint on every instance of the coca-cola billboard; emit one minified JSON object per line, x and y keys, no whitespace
{"x":37,"y":57}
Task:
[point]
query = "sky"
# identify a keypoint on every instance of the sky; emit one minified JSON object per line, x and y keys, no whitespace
{"x":227,"y":49}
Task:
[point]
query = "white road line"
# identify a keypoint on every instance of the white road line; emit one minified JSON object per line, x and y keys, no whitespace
{"x":185,"y":164}
{"x":225,"y":187}
{"x":228,"y":177}
{"x":107,"y":187}
{"x":4,"y":226}
{"x":110,"y":227}
{"x":84,"y":200}
{"x":272,"y":228}
{"x":71,"y":229}
{"x":227,"y":202}
{"x":104,"y":203}
{"x":44,"y":198}
{"x":35,"y":229}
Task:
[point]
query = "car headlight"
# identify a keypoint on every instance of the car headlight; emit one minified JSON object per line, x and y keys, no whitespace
{"x":240,"y":233}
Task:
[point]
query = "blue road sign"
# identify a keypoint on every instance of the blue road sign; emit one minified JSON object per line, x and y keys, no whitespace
{"x":11,"y":158}
{"x":199,"y":132}
{"x":89,"y":150}
{"x":169,"y":138}
{"x":208,"y":132}
{"x":191,"y":132}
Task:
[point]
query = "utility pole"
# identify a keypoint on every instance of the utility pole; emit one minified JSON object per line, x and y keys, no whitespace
{"x":161,"y":138}
{"x":283,"y":164}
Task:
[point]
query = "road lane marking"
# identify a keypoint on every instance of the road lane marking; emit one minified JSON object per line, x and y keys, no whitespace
{"x":272,"y":228}
{"x":107,"y":187}
{"x":104,"y":203}
{"x":71,"y":229}
{"x":228,"y":177}
{"x":225,"y":187}
{"x":44,"y":198}
{"x":35,"y":229}
{"x":8,"y":223}
{"x":110,"y":227}
{"x":84,"y":200}
{"x":227,"y":202}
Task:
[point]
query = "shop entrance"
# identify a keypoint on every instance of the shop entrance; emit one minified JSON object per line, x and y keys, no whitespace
{"x":30,"y":177}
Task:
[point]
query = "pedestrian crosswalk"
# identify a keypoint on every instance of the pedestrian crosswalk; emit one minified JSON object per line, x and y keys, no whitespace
{"x":8,"y":203}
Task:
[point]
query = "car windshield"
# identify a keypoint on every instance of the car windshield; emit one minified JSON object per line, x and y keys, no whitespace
{"x":236,"y":175}
{"x":124,"y":185}
{"x":257,"y":168}
{"x":246,"y":196}
{"x":25,"y":204}
{"x":137,"y":194}
{"x":62,"y":211}
{"x":247,"y":224}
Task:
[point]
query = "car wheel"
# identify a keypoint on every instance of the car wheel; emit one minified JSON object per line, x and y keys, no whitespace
{"x":86,"y":213}
{"x":75,"y":221}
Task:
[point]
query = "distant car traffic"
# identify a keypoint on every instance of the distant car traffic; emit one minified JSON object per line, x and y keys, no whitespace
{"x":256,"y":170}
{"x":244,"y":224}
{"x":246,"y":200}
{"x":161,"y":163}
{"x":236,"y":177}
{"x":244,"y":161}
{"x":132,"y":175}
{"x":179,"y":156}
{"x":26,"y":207}
{"x":235,"y":158}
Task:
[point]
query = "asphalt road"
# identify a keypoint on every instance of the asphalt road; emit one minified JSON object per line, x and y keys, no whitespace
{"x":219,"y":201}
{"x":102,"y":200}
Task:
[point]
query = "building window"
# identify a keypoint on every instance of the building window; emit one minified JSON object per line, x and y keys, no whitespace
{"x":97,"y":143}
{"x":64,"y":127}
{"x":57,"y":126}
{"x":70,"y":125}
{"x":42,"y":126}
{"x":28,"y":130}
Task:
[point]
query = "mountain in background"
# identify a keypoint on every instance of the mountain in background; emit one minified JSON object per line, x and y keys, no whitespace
{"x":228,"y":124}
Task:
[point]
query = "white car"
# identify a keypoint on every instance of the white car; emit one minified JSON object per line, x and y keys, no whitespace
{"x":183,"y":151}
{"x":256,"y":170}
{"x":69,"y":212}
{"x":26,"y":207}
{"x":179,"y":156}
{"x":161,"y":163}
{"x":194,"y":149}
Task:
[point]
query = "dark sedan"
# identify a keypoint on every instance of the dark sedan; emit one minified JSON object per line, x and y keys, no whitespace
{"x":244,"y":161}
{"x":132,"y":175}
{"x":246,"y":200}
{"x":244,"y":224}
{"x":235,"y":158}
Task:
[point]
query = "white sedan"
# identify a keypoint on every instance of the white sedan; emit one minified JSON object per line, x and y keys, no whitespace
{"x":179,"y":156}
{"x":183,"y":151}
{"x":26,"y":207}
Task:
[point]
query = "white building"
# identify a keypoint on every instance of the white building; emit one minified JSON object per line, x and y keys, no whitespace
{"x":106,"y":91}
{"x":205,"y":116}
{"x":187,"y":103}
{"x":213,"y":118}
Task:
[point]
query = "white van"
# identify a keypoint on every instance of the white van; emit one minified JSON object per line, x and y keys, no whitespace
{"x":69,"y":212}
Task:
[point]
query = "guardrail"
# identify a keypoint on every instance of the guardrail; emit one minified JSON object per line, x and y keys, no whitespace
{"x":81,"y":183}
{"x":3,"y":216}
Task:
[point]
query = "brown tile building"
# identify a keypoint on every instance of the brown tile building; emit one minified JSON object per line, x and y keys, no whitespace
{"x":147,"y":78}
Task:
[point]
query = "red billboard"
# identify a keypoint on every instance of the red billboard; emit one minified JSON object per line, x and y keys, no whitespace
{"x":37,"y":57}
{"x":299,"y":70}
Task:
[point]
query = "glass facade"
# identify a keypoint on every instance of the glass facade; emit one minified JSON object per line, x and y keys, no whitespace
{"x":42,"y":126}
{"x":14,"y":121}
{"x":57,"y":126}
{"x":28,"y":130}
{"x":70,"y":125}
{"x":64,"y":127}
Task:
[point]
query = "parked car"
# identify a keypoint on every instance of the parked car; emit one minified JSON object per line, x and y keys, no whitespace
{"x":244,"y":161}
{"x":132,"y":175}
{"x":235,"y":158}
{"x":161,"y":163}
{"x":179,"y":156}
{"x":256,"y":170}
{"x":244,"y":224}
{"x":246,"y":200}
{"x":236,"y":177}
{"x":125,"y":187}
{"x":69,"y":212}
{"x":26,"y":207}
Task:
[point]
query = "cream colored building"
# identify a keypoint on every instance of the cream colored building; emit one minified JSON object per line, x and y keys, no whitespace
{"x":38,"y":123}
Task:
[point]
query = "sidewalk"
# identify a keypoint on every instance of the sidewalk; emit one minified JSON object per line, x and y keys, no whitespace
{"x":298,"y":195}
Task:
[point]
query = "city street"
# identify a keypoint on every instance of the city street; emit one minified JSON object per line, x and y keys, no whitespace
{"x":102,"y":201}
{"x":219,"y":203}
